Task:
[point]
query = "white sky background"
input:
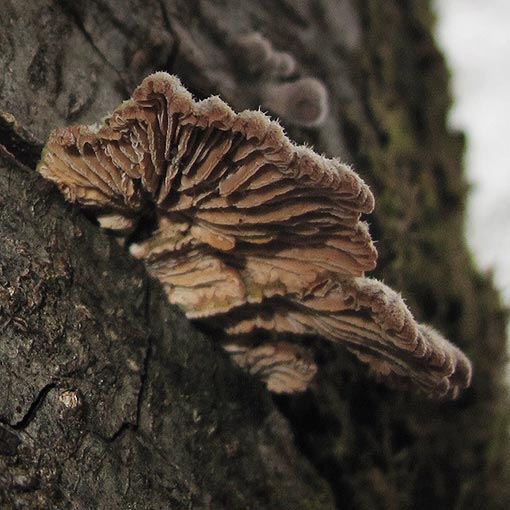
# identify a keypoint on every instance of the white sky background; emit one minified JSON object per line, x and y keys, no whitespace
{"x":475,"y":36}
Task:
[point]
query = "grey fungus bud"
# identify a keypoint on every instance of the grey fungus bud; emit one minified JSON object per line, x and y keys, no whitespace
{"x":256,"y":55}
{"x":282,"y":64}
{"x":254,"y":52}
{"x":303,"y":102}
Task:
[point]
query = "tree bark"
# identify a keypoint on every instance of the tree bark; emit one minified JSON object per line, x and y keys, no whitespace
{"x":112,"y":399}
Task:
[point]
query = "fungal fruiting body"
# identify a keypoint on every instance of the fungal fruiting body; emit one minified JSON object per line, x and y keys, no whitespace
{"x":257,"y":56}
{"x":300,"y":101}
{"x":252,"y":231}
{"x":303,"y":102}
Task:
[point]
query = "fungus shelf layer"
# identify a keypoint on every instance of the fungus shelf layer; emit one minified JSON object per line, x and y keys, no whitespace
{"x":246,"y":221}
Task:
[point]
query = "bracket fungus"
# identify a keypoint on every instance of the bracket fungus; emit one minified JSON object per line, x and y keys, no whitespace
{"x":251,"y":231}
{"x":284,"y":367}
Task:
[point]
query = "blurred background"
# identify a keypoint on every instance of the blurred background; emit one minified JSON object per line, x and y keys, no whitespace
{"x":475,"y":38}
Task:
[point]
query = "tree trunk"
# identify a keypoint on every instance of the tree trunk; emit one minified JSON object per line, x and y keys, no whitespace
{"x":112,"y":399}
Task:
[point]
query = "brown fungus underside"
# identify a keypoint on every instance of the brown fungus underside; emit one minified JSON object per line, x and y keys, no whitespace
{"x":251,"y":231}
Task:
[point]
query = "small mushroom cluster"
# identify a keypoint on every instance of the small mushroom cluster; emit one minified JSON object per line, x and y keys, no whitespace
{"x":251,"y":231}
{"x":300,"y":101}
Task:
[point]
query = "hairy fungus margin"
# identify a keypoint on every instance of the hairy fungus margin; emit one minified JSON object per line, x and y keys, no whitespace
{"x":251,"y":230}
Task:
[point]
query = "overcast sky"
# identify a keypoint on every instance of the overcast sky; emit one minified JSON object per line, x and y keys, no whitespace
{"x":475,"y":35}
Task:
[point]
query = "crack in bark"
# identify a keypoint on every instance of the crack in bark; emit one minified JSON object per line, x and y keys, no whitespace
{"x":108,"y":13}
{"x":164,"y":15}
{"x":129,"y":426}
{"x":17,"y":142}
{"x":34,"y":407}
{"x":174,"y":51}
{"x":70,"y":11}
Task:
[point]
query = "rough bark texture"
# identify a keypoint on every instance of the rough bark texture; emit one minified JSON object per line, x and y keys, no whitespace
{"x":111,"y":399}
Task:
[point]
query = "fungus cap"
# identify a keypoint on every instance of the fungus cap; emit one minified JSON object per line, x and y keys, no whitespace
{"x":251,"y":230}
